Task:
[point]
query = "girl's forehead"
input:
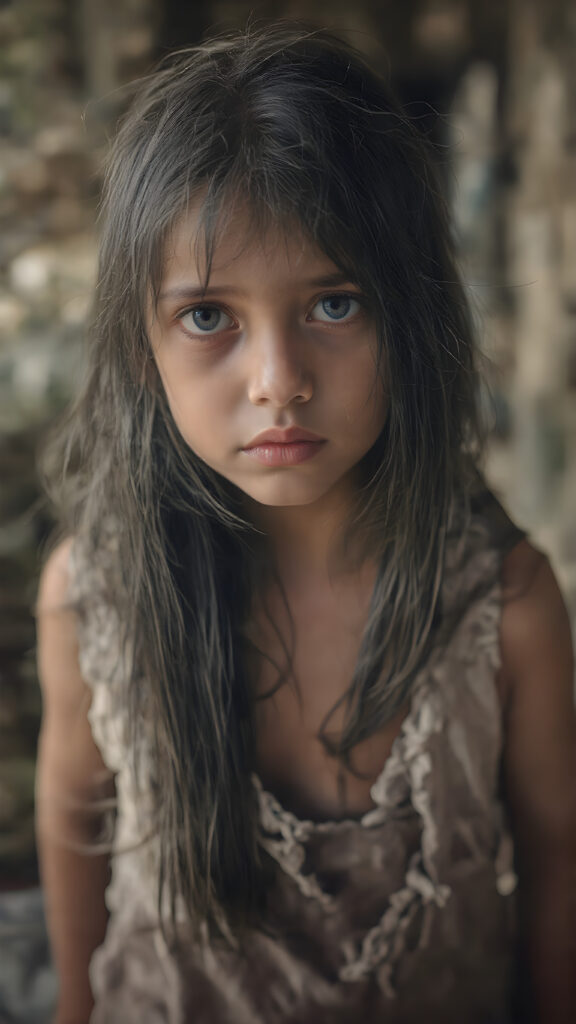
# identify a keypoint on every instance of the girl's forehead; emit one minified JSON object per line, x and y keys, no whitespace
{"x":239,"y":237}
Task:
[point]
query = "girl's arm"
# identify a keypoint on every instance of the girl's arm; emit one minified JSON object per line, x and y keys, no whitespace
{"x":540,"y":763}
{"x":70,"y":778}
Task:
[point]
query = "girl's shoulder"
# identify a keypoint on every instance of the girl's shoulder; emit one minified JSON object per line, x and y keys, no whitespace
{"x":69,"y":761}
{"x":64,"y":691}
{"x":57,"y":620}
{"x":55,"y":578}
{"x":81,"y":579}
{"x":535,"y":626}
{"x":537,"y":675}
{"x":78,"y":573}
{"x":82,"y":645}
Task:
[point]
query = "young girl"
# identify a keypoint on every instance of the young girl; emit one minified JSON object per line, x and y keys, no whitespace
{"x":290,"y":637}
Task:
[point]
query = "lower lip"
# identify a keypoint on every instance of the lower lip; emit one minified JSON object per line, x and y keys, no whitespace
{"x":285,"y":454}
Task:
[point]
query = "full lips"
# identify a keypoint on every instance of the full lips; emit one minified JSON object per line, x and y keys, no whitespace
{"x":273,"y":453}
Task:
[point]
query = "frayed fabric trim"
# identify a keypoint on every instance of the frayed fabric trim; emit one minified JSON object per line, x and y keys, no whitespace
{"x":284,"y":835}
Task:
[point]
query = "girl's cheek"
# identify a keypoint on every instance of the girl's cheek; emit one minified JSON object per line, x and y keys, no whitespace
{"x":196,"y":356}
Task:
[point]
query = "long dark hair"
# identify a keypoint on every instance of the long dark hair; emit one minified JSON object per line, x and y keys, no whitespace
{"x":295,"y":125}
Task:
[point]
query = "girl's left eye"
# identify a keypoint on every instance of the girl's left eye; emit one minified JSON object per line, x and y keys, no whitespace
{"x":335,"y":308}
{"x":205,"y":320}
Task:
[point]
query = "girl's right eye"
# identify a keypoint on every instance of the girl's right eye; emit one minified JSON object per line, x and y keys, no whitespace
{"x":205,"y":320}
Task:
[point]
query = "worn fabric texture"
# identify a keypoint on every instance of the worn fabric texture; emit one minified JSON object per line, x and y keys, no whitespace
{"x":405,"y":915}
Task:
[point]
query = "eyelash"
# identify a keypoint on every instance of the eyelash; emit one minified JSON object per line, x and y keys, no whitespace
{"x":353,"y":296}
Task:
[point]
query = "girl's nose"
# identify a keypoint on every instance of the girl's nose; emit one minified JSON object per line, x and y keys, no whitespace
{"x":279,"y":373}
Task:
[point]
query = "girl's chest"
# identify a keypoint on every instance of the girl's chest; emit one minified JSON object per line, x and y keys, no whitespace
{"x":293,"y":712}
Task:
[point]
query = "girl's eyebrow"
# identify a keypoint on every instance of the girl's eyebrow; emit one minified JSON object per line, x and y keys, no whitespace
{"x":189,"y":292}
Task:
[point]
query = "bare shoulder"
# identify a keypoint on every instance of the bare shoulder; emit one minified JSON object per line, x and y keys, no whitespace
{"x":68,"y":755}
{"x":55,"y":578}
{"x":535,"y":627}
{"x":58,"y":669}
{"x":540,"y":720}
{"x":66,"y":735}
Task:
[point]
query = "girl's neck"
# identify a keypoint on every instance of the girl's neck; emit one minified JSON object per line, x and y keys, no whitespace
{"x":309,"y":542}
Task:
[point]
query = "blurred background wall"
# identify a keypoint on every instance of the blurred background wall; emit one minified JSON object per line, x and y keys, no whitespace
{"x":493,"y":81}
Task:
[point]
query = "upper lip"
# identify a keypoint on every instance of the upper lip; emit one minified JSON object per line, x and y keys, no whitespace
{"x":278,"y":435}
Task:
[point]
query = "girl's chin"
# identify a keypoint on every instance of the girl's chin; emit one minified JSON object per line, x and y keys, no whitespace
{"x":281,"y":501}
{"x":298,"y":497}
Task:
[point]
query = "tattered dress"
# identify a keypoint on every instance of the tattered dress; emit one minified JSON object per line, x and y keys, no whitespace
{"x":405,"y":915}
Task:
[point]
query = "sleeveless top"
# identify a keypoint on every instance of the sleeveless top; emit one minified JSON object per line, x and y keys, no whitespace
{"x":405,"y":915}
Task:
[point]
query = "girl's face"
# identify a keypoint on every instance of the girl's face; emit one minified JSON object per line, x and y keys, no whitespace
{"x":271,"y":372}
